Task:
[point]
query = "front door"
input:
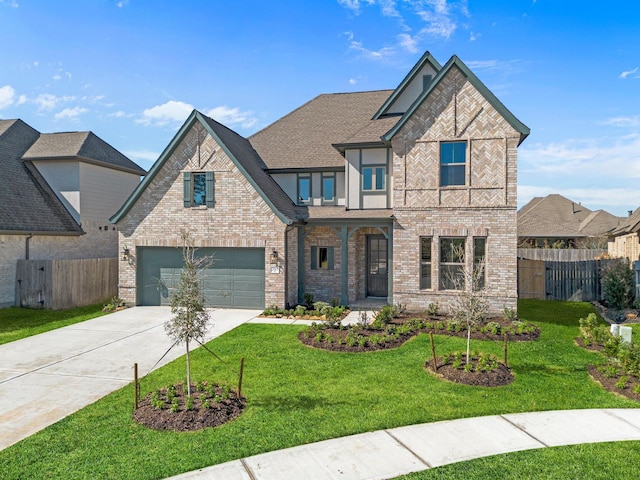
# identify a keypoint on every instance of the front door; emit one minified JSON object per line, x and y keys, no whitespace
{"x":377,"y":264}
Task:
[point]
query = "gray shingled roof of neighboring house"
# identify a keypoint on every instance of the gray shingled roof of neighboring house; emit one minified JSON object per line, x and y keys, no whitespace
{"x":557,"y":216}
{"x":305,"y":137}
{"x":85,"y":146}
{"x":27,"y":203}
{"x":630,"y":224}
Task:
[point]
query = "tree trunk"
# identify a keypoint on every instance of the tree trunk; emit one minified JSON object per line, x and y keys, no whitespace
{"x":468,"y":341}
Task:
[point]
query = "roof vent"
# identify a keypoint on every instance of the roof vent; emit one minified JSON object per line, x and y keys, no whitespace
{"x":426,"y":81}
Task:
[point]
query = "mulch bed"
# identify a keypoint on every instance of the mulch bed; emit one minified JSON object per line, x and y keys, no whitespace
{"x":610,"y":383}
{"x":338,"y":335}
{"x":495,"y":378}
{"x":189,"y":420}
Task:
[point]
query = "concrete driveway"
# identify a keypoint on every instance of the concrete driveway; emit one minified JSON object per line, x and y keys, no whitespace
{"x":46,"y":377}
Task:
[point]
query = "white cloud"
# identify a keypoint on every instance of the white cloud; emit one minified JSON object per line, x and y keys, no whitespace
{"x":624,"y":75}
{"x":142,"y":155}
{"x":430,"y":18}
{"x":632,"y":121}
{"x":232,"y":116}
{"x":169,"y":113}
{"x":122,"y":3}
{"x":585,"y":158}
{"x":47,"y":101}
{"x":474,"y":36}
{"x":9,"y":3}
{"x":408,"y":42}
{"x":7,"y":93}
{"x":70,"y":113}
{"x":119,"y":114}
{"x":352,"y":81}
{"x":22,"y":99}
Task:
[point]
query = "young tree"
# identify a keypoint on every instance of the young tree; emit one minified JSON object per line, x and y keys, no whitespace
{"x":190,"y":319}
{"x":470,"y":306}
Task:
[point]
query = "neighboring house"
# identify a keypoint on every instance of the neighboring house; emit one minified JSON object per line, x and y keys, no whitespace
{"x":624,"y":241}
{"x":351,"y":196}
{"x":57,"y":192}
{"x":557,"y":222}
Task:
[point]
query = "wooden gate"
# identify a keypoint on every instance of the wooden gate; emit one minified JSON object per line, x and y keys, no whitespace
{"x":531,"y":279}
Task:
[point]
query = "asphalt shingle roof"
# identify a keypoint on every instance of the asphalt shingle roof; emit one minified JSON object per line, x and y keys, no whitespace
{"x":557,"y":216}
{"x":27,"y":203}
{"x":305,"y":137}
{"x":83,"y":145}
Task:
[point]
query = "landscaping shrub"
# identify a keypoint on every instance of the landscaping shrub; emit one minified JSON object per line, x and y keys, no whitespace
{"x":618,"y":284}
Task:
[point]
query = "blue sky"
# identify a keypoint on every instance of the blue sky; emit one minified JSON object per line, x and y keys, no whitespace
{"x":132,"y":70}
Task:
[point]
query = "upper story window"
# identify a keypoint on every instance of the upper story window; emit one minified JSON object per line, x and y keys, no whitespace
{"x":198,"y":189}
{"x":304,"y":189}
{"x":373,"y":178}
{"x":328,"y":188}
{"x":452,"y":163}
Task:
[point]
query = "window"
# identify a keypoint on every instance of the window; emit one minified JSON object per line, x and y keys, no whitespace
{"x":452,"y":163}
{"x":425,"y":262}
{"x":479,"y":264}
{"x":198,"y":189}
{"x":452,"y":263}
{"x":321,"y":258}
{"x":304,"y":189}
{"x":373,"y":178}
{"x":328,"y":188}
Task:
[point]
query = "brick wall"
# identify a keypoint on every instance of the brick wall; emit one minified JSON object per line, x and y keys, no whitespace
{"x":239,"y":218}
{"x":485,"y":206}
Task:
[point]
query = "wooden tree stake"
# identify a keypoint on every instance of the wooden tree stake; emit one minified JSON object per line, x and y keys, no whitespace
{"x":240,"y":377}
{"x":506,"y":364}
{"x":136,"y":386}
{"x":433,"y":353}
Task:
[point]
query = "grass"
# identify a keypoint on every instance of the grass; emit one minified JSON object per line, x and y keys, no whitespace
{"x":17,"y":323}
{"x":595,"y":461}
{"x":299,"y":395}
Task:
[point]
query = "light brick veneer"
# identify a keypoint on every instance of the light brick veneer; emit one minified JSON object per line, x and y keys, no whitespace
{"x":239,"y":218}
{"x":485,"y":206}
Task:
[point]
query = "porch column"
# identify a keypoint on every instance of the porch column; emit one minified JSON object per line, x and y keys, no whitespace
{"x":300,"y":263}
{"x":344,"y":295}
{"x":390,"y":265}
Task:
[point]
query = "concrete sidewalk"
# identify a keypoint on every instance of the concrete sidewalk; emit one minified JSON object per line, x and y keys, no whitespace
{"x":389,"y":453}
{"x":46,"y":377}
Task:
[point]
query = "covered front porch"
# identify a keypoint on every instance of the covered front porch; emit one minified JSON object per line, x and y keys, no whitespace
{"x":346,"y":261}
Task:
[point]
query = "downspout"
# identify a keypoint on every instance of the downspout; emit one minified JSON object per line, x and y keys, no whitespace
{"x":26,"y":246}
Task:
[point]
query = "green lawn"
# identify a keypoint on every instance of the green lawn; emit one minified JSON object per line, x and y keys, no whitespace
{"x":298,"y":395}
{"x":17,"y":323}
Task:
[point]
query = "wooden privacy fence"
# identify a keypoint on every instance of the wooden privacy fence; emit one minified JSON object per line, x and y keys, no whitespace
{"x":58,"y":284}
{"x":575,"y":281}
{"x":560,"y":254}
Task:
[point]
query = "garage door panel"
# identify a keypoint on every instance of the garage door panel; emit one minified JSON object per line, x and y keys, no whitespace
{"x":235,"y":280}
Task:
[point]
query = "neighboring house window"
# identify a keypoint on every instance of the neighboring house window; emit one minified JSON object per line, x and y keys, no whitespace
{"x":304,"y":189}
{"x":452,"y":163}
{"x":321,"y":258}
{"x":198,"y":189}
{"x":328,"y":188}
{"x":425,"y":262}
{"x":452,"y":263}
{"x":373,"y":178}
{"x":479,"y":263}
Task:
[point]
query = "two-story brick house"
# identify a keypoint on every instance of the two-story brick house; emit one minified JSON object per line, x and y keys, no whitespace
{"x":350,"y":196}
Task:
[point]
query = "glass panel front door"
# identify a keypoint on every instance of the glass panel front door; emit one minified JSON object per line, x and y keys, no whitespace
{"x":377,"y":266}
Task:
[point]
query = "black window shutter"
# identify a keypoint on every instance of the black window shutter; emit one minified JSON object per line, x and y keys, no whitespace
{"x":209,"y":190}
{"x":330,"y":258}
{"x":187,"y":189}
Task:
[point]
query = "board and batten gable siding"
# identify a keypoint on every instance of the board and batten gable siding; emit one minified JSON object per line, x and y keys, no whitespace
{"x":356,"y":159}
{"x":412,"y":91}
{"x":289,"y":184}
{"x":239,"y":218}
{"x":484,"y":207}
